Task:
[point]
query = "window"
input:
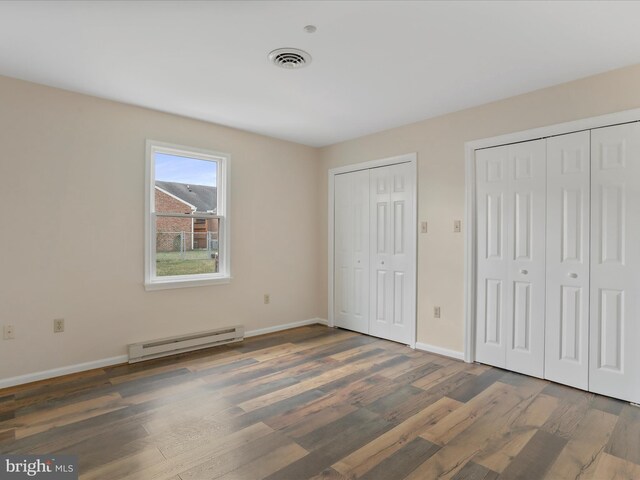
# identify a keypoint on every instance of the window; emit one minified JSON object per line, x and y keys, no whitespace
{"x":187,"y":223}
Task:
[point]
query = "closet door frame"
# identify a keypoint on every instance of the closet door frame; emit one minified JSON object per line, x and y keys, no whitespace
{"x":410,"y":158}
{"x":470,"y":274}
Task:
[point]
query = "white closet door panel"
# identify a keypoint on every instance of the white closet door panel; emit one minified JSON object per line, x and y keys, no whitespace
{"x":567,"y":304}
{"x":351,"y":284}
{"x":393,"y":252}
{"x":510,"y":200}
{"x":526,"y":168}
{"x":614,"y":360}
{"x":492,"y":281}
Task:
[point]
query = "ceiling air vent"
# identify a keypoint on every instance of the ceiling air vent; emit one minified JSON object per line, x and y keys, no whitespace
{"x":289,"y":58}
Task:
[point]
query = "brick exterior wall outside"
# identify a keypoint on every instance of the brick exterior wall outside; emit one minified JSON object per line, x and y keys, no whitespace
{"x":168,"y":229}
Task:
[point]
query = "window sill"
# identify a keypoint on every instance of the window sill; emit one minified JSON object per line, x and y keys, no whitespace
{"x":199,"y":282}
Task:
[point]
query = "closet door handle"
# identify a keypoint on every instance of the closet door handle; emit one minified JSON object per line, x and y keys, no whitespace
{"x":524,"y":272}
{"x":573,"y":275}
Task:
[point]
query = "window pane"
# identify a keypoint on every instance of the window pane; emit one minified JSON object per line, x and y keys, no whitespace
{"x":186,"y":246}
{"x":185,"y":185}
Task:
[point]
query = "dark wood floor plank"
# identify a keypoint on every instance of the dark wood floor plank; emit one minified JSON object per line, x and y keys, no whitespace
{"x":338,"y":347}
{"x":328,"y":433}
{"x":155,"y":382}
{"x":7,"y":437}
{"x":417,"y":373}
{"x":227,"y":367}
{"x":473,"y":471}
{"x":404,"y":461}
{"x":412,"y":405}
{"x":608,"y":404}
{"x":5,"y":416}
{"x":329,"y":474}
{"x":625,"y":440}
{"x":444,"y":387}
{"x":394,"y":398}
{"x":332,"y":449}
{"x":475,"y":385}
{"x":535,"y":458}
{"x":565,"y":393}
{"x":261,"y":389}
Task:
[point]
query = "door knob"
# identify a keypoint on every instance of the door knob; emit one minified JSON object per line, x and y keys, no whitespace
{"x":524,"y":272}
{"x":382,"y":262}
{"x":573,"y":275}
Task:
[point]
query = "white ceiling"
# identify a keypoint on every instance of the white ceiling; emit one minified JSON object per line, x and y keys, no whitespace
{"x":376,"y":64}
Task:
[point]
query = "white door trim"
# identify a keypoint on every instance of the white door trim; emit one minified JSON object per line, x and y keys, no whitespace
{"x":626,"y":116}
{"x":411,"y":158}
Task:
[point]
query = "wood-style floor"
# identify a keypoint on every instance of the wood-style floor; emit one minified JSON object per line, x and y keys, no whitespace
{"x":320,"y":403}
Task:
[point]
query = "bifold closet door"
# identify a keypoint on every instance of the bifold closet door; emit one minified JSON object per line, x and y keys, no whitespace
{"x":393,"y":252}
{"x":567,"y":311}
{"x":493,"y":261}
{"x":510,"y":189}
{"x":351,"y":251}
{"x":614,"y":365}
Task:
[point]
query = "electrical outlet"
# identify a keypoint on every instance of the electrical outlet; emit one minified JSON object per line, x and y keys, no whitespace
{"x":423,"y":227}
{"x":267,"y":299}
{"x":9,"y":332}
{"x":457,"y":226}
{"x":436,"y":312}
{"x":58,"y":325}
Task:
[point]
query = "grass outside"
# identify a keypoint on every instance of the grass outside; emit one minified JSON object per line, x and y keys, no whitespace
{"x":187,"y":263}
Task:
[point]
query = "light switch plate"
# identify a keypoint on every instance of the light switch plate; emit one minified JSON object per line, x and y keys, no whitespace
{"x":457,"y":226}
{"x":58,"y":325}
{"x":9,"y":332}
{"x":423,"y":227}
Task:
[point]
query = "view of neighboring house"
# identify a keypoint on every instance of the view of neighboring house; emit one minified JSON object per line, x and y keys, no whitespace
{"x":179,"y":234}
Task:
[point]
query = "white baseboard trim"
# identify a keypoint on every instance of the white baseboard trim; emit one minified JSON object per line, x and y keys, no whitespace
{"x":440,"y":351}
{"x":106,"y":362}
{"x":60,"y":371}
{"x":285,"y":326}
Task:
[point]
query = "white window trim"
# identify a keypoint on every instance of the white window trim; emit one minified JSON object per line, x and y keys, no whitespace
{"x":151,"y":282}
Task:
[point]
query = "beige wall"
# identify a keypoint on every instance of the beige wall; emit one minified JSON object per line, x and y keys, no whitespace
{"x":72,"y":179}
{"x":439,"y":143}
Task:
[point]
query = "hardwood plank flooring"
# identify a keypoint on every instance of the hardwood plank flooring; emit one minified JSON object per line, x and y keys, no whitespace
{"x":320,"y":403}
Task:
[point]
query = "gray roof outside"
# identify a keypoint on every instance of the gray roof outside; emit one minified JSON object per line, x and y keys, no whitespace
{"x":203,"y":197}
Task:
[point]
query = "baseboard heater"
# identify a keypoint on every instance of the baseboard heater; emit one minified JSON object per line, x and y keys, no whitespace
{"x":184,"y":343}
